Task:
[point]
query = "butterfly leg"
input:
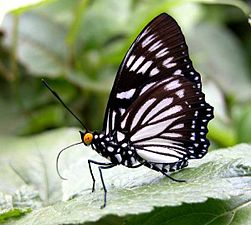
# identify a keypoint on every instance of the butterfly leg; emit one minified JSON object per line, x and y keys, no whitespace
{"x":176,"y":180}
{"x":90,"y":168}
{"x":102,"y":180}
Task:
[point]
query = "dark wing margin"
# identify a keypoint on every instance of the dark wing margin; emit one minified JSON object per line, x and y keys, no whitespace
{"x":159,"y":52}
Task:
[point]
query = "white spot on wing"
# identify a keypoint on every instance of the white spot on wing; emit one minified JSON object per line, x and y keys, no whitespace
{"x":172,"y":135}
{"x":144,"y":33}
{"x":108,"y":122}
{"x":162,"y":53}
{"x":170,"y":65}
{"x":124,"y":121}
{"x":167,"y":143}
{"x":144,"y":89}
{"x":168,"y":112}
{"x":130,"y":60}
{"x":145,"y":67}
{"x":148,"y":40}
{"x":177,"y":72}
{"x":154,"y":71}
{"x":122,"y":111}
{"x":162,"y":104}
{"x":196,"y":145}
{"x":153,"y":129}
{"x":124,"y":145}
{"x":155,"y":46}
{"x":178,"y":126}
{"x":163,"y":150}
{"x":137,"y":63}
{"x":120,"y":136}
{"x":156,"y":158}
{"x":172,"y":85}
{"x":141,"y":111}
{"x":126,"y":94}
{"x":110,"y":149}
{"x":180,"y":93}
{"x":113,"y":119}
{"x":167,"y":63}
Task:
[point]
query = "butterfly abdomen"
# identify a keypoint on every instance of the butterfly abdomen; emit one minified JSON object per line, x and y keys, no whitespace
{"x":168,"y":167}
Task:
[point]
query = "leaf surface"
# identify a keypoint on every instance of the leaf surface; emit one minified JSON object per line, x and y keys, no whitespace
{"x":221,"y":174}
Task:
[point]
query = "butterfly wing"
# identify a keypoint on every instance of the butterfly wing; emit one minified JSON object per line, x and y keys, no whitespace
{"x":168,"y":122}
{"x":158,"y":52}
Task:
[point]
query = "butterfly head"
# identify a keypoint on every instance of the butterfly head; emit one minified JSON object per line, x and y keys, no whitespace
{"x":86,"y":137}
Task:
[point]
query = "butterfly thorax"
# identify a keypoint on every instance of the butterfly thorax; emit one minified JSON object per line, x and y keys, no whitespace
{"x":116,"y":152}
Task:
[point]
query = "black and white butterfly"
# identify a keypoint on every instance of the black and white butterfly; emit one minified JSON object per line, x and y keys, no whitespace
{"x":156,"y":114}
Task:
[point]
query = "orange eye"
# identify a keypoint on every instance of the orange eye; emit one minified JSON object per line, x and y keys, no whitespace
{"x":88,"y":138}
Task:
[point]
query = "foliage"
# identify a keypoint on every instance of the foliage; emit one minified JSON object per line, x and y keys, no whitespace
{"x":217,"y":185}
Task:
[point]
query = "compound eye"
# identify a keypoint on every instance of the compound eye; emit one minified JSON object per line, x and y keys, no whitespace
{"x":88,"y":138}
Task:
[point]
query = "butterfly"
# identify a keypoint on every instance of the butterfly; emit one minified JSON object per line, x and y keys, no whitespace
{"x":156,"y":114}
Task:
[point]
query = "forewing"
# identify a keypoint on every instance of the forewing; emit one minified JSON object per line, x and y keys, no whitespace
{"x":157,"y":53}
{"x":168,"y":122}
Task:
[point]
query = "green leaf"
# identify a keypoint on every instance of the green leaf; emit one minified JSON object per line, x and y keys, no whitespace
{"x":29,"y":164}
{"x":237,"y":3}
{"x":100,"y":23}
{"x":221,"y":174}
{"x":219,"y":55}
{"x":242,"y":118}
{"x":214,"y":212}
{"x":221,"y":130}
{"x":19,"y":203}
{"x":40,"y":37}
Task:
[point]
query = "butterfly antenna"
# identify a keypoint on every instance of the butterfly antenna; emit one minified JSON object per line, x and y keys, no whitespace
{"x":59,"y":156}
{"x":61,"y":101}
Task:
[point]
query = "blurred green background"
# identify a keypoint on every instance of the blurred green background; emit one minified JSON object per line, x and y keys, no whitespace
{"x":77,"y":47}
